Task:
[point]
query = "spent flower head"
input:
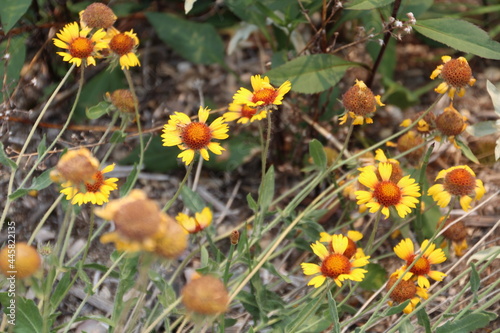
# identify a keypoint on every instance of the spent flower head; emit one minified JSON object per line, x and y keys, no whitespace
{"x":405,"y":290}
{"x":264,"y":95}
{"x":80,"y":48}
{"x":205,"y":295}
{"x":456,"y":233}
{"x":383,"y":193}
{"x":359,"y":102}
{"x":335,"y":264}
{"x":422,"y":267}
{"x":77,"y":166}
{"x":458,"y":181}
{"x":450,"y":123}
{"x":97,"y":15}
{"x":192,"y":137}
{"x":456,"y":74}
{"x":122,"y":99}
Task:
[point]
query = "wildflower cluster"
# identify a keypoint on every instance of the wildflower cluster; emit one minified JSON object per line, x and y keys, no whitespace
{"x":95,"y":38}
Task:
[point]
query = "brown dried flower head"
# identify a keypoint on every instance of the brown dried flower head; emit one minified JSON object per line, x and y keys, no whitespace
{"x":76,"y":166}
{"x":205,"y":295}
{"x":410,"y":140}
{"x":98,"y":15}
{"x":123,"y":100}
{"x":451,"y":122}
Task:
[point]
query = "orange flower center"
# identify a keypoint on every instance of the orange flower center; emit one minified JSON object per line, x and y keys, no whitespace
{"x":459,"y":182}
{"x":421,"y":267}
{"x":248,"y":112}
{"x":196,"y":135}
{"x":266,"y":95}
{"x":121,"y":44}
{"x":335,"y":264}
{"x":404,"y":289}
{"x":456,"y":72}
{"x":361,"y":101}
{"x":81,"y":47}
{"x":387,"y":193}
{"x":96,"y":185}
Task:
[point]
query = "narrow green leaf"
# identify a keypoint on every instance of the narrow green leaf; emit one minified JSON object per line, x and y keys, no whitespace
{"x":192,"y":200}
{"x":366,"y":4}
{"x":38,"y":183}
{"x":318,"y":154}
{"x":466,"y":150}
{"x":495,"y":96}
{"x":203,"y":256}
{"x":42,"y":146}
{"x":266,"y":189}
{"x":423,"y":320}
{"x":5,"y":160}
{"x":397,"y":309}
{"x":466,"y":324}
{"x":12,"y":11}
{"x":96,"y":111}
{"x":60,"y":291}
{"x":307,"y":310}
{"x":332,"y":307}
{"x":475,"y":281}
{"x":18,"y":194}
{"x":486,"y":254}
{"x":27,"y":316}
{"x":460,"y":35}
{"x":251,"y":202}
{"x":125,"y":188}
{"x":483,"y":128}
{"x":118,"y":137}
{"x":311,"y":73}
{"x":197,"y":42}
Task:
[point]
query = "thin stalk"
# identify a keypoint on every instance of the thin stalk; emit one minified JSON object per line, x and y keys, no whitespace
{"x":162,"y":316}
{"x":178,"y":192}
{"x":44,"y":218}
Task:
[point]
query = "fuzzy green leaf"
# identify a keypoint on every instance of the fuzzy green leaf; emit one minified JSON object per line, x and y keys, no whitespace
{"x":366,"y":4}
{"x":192,"y":200}
{"x":266,"y":189}
{"x":197,"y":42}
{"x":96,"y":111}
{"x":38,"y":183}
{"x":460,"y":35}
{"x":466,"y":324}
{"x":11,"y":12}
{"x":397,"y":309}
{"x":26,"y":318}
{"x":311,"y":73}
{"x":317,"y":153}
{"x":423,"y":320}
{"x":466,"y":150}
{"x":483,"y":128}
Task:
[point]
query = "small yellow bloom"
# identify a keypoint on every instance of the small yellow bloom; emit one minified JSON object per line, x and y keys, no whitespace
{"x":352,"y":237}
{"x":422,"y":267}
{"x":197,"y":223}
{"x":194,"y":137}
{"x":456,"y":74}
{"x":244,"y":113}
{"x":80,"y":47}
{"x":359,"y":102}
{"x":460,"y":181}
{"x":384,"y":193}
{"x":124,"y":46}
{"x":263,"y":95}
{"x":335,"y":264}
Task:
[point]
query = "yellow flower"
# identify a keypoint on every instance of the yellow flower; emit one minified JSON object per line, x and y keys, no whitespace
{"x":352,"y":237}
{"x":422,"y":267}
{"x":385,"y":193}
{"x":460,"y":181}
{"x":335,"y":265}
{"x":197,"y":223}
{"x":263,"y":94}
{"x":405,"y":290}
{"x":80,"y":47}
{"x":456,"y":74}
{"x":244,"y":113}
{"x":359,"y":101}
{"x":124,"y":46}
{"x":191,"y":136}
{"x":95,"y":191}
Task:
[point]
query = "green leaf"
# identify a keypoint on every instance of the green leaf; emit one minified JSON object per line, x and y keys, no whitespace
{"x":11,"y":12}
{"x":483,"y":128}
{"x":423,"y":320}
{"x":38,"y":183}
{"x":60,"y":291}
{"x":486,"y":254}
{"x":125,"y":188}
{"x":318,"y":154}
{"x":10,"y":69}
{"x":307,"y":310}
{"x":495,"y":96}
{"x":466,"y":324}
{"x":332,"y":308}
{"x":375,"y":278}
{"x":238,"y":149}
{"x":192,"y":200}
{"x":96,"y":111}
{"x":474,"y":278}
{"x":197,"y":42}
{"x":118,"y":137}
{"x":397,"y":309}
{"x":42,"y":147}
{"x":466,"y":150}
{"x":266,"y":189}
{"x":460,"y":35}
{"x":27,"y":317}
{"x":366,"y":4}
{"x":251,"y":202}
{"x":5,"y":160}
{"x":311,"y":73}
{"x":203,"y":256}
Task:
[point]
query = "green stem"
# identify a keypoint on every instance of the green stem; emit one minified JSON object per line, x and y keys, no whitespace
{"x":44,"y":218}
{"x":178,"y":192}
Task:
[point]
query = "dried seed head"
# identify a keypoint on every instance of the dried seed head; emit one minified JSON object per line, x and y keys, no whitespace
{"x":77,"y":166}
{"x":450,"y":122}
{"x":138,"y":219}
{"x":98,"y":15}
{"x":404,"y":290}
{"x":123,"y":100}
{"x":410,"y":140}
{"x":359,"y":99}
{"x":205,"y":295}
{"x":457,"y":72}
{"x":457,"y":232}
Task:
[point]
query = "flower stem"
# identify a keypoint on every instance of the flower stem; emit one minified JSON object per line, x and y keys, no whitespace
{"x":178,"y":192}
